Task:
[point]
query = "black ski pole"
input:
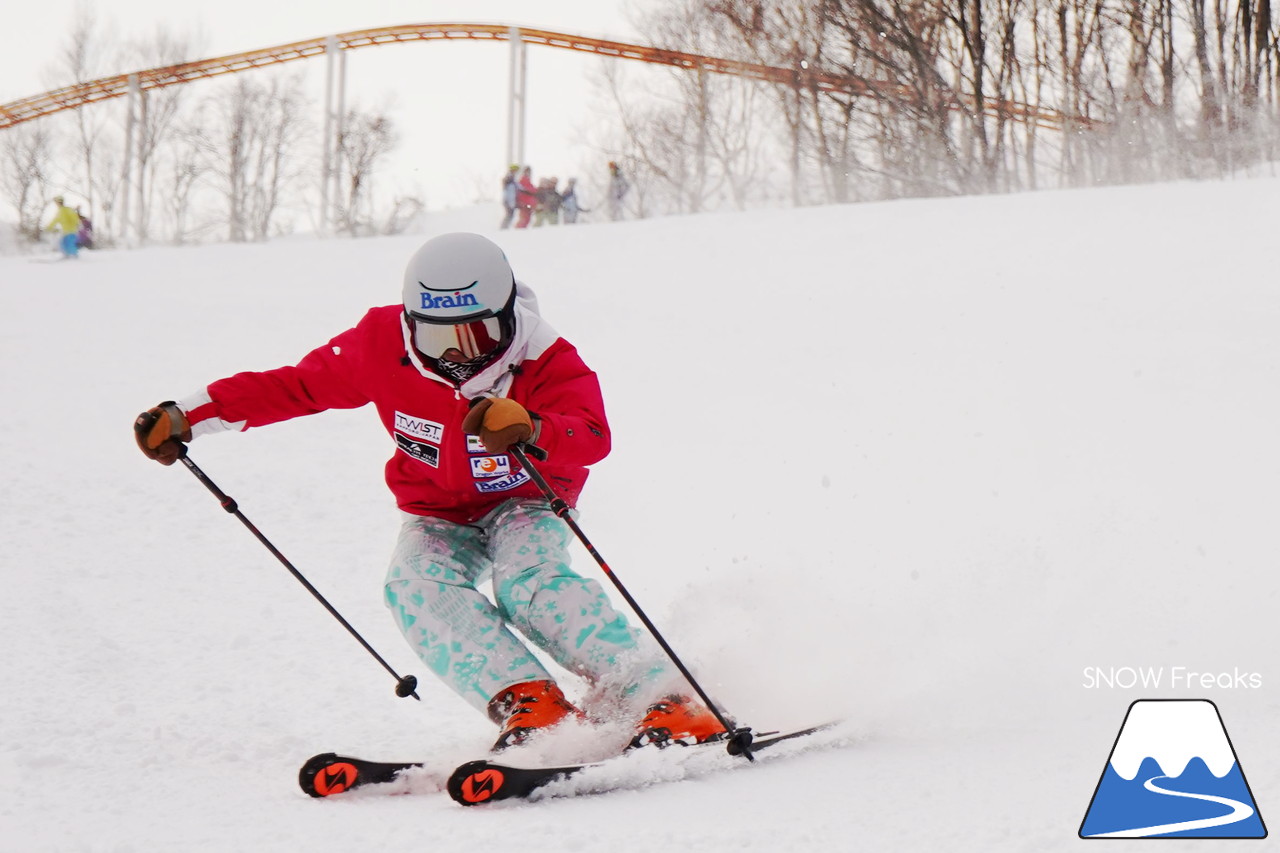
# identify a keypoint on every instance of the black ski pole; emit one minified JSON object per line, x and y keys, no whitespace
{"x":406,"y":685}
{"x":739,"y":742}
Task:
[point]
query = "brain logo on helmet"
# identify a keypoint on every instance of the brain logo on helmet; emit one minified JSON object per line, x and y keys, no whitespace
{"x":457,"y":299}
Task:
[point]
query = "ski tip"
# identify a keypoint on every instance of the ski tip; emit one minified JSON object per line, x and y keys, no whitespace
{"x":476,"y":782}
{"x":327,"y":774}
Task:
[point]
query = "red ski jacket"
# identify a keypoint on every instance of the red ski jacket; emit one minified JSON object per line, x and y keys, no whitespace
{"x":526,"y":193}
{"x":436,"y":469}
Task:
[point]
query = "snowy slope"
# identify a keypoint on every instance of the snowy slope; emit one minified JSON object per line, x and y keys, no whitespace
{"x":916,"y":464}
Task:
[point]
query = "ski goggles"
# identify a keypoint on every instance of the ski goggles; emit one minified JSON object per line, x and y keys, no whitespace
{"x":473,"y":340}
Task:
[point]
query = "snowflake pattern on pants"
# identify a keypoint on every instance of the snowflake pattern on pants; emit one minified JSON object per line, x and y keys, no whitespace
{"x":471,"y":642}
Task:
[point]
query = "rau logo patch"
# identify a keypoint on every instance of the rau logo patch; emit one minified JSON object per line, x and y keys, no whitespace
{"x":1173,"y":773}
{"x":490,"y":466}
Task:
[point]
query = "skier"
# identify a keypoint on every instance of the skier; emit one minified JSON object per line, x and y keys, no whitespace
{"x":66,"y":222}
{"x":509,"y":195}
{"x":547,"y":206}
{"x":460,"y":371}
{"x":569,"y":202}
{"x":618,"y":189}
{"x":84,"y":237}
{"x":526,"y":196}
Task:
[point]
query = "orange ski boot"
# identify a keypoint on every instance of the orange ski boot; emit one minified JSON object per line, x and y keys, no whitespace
{"x":677,"y":720}
{"x":525,"y":709}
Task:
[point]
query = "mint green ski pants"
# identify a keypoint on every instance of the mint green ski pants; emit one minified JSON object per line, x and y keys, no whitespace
{"x":467,"y":640}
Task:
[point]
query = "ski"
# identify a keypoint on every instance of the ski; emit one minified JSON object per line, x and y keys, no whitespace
{"x":487,"y":781}
{"x":329,"y":773}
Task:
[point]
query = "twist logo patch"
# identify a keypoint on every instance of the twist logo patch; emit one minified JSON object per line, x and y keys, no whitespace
{"x":419,"y":428}
{"x":419,"y":438}
{"x":1173,"y":773}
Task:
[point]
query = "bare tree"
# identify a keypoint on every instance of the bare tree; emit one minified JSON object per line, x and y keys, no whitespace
{"x":25,"y":160}
{"x":691,"y":140}
{"x":159,"y":109}
{"x":262,"y":126}
{"x":402,"y":212}
{"x":366,"y":139}
{"x":187,"y":165}
{"x":111,"y":185}
{"x":786,"y":34}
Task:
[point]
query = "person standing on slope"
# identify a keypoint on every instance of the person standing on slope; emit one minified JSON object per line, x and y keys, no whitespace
{"x":526,"y":197}
{"x":619,"y":186}
{"x":509,"y":196}
{"x":569,"y":202}
{"x":461,"y":370}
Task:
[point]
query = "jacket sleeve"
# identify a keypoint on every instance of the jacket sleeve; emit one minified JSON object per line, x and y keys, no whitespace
{"x":326,"y":378}
{"x":566,"y":398}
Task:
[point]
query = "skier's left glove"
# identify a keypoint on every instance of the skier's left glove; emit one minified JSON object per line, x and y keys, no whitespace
{"x":499,"y":422}
{"x":161,"y":432}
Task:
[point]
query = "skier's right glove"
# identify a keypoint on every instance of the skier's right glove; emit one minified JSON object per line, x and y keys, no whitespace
{"x":499,"y":422}
{"x":161,"y":432}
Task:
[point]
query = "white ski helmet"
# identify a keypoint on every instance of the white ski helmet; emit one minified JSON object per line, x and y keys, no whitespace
{"x":459,"y":296}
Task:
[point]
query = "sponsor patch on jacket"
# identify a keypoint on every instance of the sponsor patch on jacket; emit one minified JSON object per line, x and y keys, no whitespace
{"x":474,"y":445}
{"x":503,"y":484}
{"x":419,"y":450}
{"x":419,"y":428}
{"x":490,"y":466}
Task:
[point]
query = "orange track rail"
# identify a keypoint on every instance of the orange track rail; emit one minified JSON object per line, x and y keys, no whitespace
{"x":79,"y":95}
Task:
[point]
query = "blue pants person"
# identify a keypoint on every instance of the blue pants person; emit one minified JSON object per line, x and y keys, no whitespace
{"x":70,"y":245}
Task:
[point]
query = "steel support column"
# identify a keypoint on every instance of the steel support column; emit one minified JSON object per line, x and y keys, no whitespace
{"x":516,"y":102}
{"x":327,"y":154}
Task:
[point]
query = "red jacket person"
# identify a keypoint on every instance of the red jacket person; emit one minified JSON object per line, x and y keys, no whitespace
{"x":463,"y":368}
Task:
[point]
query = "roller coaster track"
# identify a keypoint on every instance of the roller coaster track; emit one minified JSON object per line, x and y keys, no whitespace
{"x":106,"y":88}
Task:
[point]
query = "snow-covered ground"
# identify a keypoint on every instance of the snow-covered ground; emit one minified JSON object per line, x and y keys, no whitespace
{"x":917,"y":465}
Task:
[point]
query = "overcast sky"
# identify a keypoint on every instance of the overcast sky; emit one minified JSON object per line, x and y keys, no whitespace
{"x":449,"y":100}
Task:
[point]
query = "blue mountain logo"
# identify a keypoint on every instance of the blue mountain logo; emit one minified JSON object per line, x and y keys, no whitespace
{"x":1173,"y":773}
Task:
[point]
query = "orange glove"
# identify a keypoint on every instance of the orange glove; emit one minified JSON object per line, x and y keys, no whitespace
{"x":499,"y":422}
{"x":161,"y":432}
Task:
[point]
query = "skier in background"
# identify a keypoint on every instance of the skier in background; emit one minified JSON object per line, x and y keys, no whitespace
{"x":84,"y":237}
{"x":569,"y":202}
{"x":618,"y":188}
{"x":509,"y":195}
{"x":66,"y":222}
{"x":459,"y":371}
{"x":526,"y":196}
{"x":547,"y":208}
{"x":554,"y":201}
